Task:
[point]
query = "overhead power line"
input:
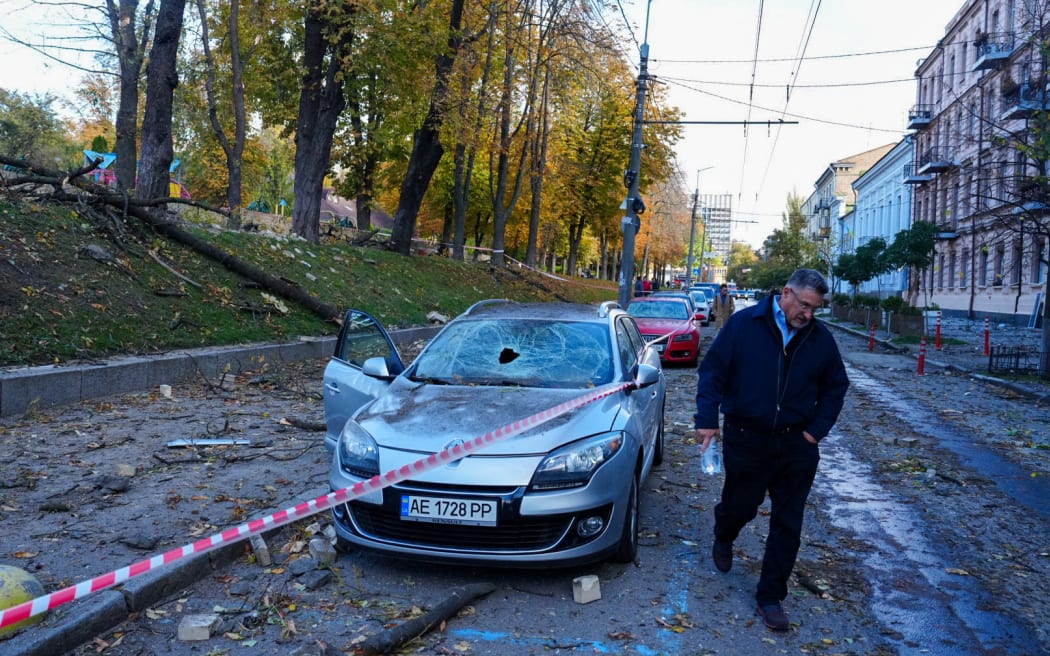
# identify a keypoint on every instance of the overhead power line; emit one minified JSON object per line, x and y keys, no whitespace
{"x":801,"y":116}
{"x":790,"y":59}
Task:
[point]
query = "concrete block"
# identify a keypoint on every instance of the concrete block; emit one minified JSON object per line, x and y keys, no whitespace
{"x":198,"y":627}
{"x":261,"y":550}
{"x":586,"y":589}
{"x":170,"y":368}
{"x":322,"y":551}
{"x":127,"y":471}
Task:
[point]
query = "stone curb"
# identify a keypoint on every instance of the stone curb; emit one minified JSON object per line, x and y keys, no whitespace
{"x":26,"y":389}
{"x":95,"y":615}
{"x":1017,"y":388}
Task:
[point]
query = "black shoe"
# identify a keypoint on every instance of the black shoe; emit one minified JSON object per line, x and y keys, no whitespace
{"x":774,"y":616}
{"x":722,"y":554}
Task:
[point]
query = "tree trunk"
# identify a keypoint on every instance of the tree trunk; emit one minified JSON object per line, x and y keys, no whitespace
{"x":131,"y":52}
{"x":234,"y":152}
{"x":538,"y":169}
{"x":162,"y":78}
{"x":426,"y":144}
{"x":321,"y":101}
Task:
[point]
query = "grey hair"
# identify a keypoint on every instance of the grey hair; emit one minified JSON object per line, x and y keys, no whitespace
{"x":808,"y":279}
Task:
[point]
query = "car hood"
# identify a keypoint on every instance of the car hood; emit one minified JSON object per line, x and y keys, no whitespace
{"x":662,"y":326}
{"x":426,"y":417}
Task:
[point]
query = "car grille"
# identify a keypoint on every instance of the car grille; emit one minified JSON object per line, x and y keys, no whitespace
{"x":512,"y":535}
{"x":649,"y":338}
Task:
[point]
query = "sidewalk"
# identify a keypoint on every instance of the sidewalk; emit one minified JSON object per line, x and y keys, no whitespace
{"x":968,"y":357}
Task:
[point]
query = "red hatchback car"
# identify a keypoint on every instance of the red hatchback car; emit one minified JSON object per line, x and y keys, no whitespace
{"x":668,"y":318}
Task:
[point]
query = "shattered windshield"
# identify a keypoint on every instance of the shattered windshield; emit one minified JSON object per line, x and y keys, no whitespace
{"x":518,"y":353}
{"x":658,"y":310}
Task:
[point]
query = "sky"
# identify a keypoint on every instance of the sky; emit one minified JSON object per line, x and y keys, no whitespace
{"x":703,"y":52}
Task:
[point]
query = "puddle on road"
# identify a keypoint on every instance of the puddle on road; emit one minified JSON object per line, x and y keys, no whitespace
{"x":933,"y":611}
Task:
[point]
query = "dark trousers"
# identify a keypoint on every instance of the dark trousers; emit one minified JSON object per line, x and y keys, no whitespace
{"x":782,"y":464}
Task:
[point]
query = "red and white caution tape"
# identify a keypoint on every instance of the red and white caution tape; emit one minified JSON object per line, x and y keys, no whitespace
{"x":51,"y":601}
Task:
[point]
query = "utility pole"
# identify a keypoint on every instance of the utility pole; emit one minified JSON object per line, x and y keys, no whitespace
{"x":634,"y":205}
{"x":692,"y":234}
{"x":692,"y":229}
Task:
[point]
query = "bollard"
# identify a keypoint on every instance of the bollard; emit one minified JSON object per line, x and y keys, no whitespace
{"x":871,"y":340}
{"x":987,"y":338}
{"x":937,"y":341}
{"x":922,"y":356}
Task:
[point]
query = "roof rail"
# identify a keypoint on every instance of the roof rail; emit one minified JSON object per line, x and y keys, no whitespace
{"x":603,"y":309}
{"x":489,"y":301}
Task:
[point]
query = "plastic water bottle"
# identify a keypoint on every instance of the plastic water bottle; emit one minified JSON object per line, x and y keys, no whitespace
{"x":711,"y":461}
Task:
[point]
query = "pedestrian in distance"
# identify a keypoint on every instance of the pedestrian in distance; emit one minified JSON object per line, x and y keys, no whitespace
{"x":776,"y":376}
{"x":724,"y":306}
{"x":638,"y":286}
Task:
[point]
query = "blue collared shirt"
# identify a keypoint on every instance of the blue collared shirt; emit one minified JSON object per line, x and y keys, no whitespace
{"x":785,"y":331}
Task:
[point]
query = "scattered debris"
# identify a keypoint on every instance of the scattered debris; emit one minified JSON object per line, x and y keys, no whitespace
{"x":207,"y":441}
{"x":197,"y":627}
{"x":394,"y":637}
{"x":586,"y":589}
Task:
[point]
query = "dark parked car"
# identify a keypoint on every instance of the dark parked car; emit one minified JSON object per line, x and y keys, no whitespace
{"x":561,"y":492}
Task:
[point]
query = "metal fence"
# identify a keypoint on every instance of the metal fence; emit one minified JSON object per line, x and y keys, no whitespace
{"x":1013,"y":360}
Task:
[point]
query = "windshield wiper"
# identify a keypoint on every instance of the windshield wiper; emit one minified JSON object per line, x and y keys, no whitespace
{"x":429,"y":381}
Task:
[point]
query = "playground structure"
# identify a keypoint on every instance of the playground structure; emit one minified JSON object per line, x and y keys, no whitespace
{"x":104,"y":175}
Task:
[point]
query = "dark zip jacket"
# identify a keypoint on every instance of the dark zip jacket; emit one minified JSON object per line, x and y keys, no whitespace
{"x":758,"y":384}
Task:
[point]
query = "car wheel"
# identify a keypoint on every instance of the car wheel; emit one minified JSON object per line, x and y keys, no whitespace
{"x":658,"y":448}
{"x":627,"y":550}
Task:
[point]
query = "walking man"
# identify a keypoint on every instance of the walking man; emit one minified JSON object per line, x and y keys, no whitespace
{"x":777,"y":377}
{"x":724,"y":307}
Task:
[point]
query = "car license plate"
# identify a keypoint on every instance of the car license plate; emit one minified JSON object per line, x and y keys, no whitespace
{"x":659,"y":348}
{"x":475,"y":512}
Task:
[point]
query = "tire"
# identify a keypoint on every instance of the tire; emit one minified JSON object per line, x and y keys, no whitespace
{"x":627,"y":550}
{"x":658,"y":448}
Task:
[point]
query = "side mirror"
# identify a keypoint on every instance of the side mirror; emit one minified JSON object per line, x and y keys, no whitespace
{"x":376,"y":368}
{"x":646,"y":376}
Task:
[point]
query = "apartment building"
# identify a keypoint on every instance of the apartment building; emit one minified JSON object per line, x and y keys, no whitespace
{"x":882,"y":209}
{"x":976,"y":159}
{"x":833,"y":195}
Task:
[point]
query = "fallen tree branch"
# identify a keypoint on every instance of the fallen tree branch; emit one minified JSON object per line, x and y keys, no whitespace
{"x":173,"y":271}
{"x":287,"y":290}
{"x":393,"y":638}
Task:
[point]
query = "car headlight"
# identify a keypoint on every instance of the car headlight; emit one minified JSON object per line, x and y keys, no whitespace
{"x":684,"y":337}
{"x":358,"y":452}
{"x":574,"y":464}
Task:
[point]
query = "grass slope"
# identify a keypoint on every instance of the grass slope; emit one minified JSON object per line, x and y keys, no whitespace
{"x":82,"y":285}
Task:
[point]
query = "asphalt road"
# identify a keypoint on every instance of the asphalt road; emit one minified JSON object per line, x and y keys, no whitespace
{"x":909,"y":547}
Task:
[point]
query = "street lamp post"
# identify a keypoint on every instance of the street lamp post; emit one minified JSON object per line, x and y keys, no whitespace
{"x":692,"y":230}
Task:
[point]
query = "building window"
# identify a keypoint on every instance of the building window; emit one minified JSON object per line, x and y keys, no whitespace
{"x":964,"y":269}
{"x":940,"y":271}
{"x":1038,"y":255}
{"x":999,"y":263}
{"x":982,"y":267}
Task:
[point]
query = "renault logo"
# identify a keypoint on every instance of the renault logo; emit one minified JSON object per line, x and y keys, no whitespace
{"x":452,"y":445}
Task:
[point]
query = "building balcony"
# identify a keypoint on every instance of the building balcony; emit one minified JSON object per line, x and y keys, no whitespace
{"x":1024,"y":101}
{"x":909,"y":175}
{"x":993,"y":51}
{"x":920,"y":116}
{"x":946,"y":233}
{"x":934,"y":161}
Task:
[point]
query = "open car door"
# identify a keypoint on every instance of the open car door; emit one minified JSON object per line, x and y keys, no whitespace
{"x":346,"y":387}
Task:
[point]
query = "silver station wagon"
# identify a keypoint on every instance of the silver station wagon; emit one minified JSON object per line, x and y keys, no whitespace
{"x":564,"y":491}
